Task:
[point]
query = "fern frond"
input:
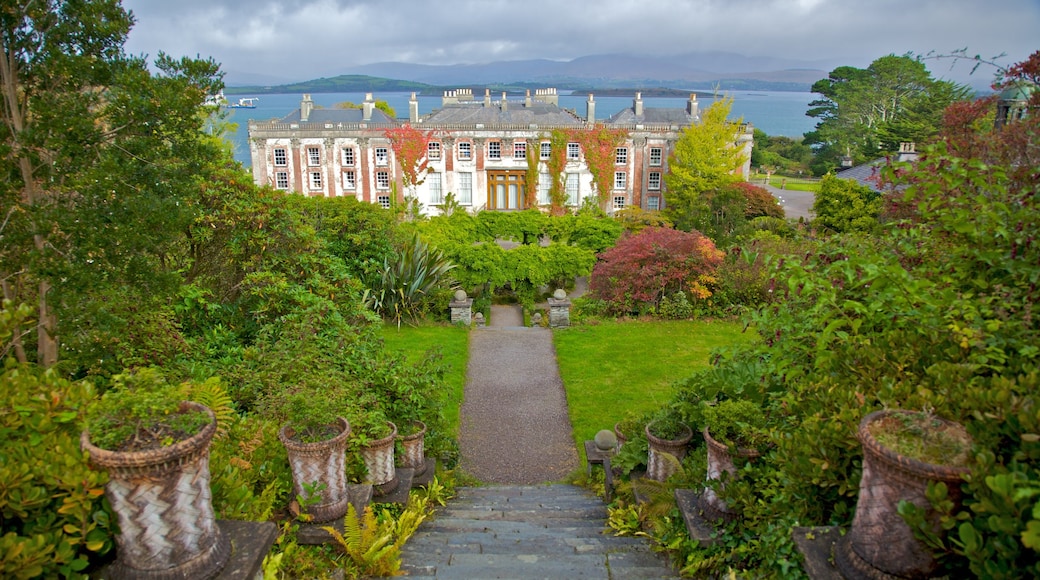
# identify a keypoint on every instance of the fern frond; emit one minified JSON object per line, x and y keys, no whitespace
{"x":352,"y":532}
{"x":212,"y":393}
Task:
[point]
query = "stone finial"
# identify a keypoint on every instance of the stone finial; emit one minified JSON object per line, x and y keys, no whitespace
{"x":460,"y":295}
{"x":605,"y":440}
{"x":536,"y":319}
{"x":560,"y":294}
{"x":479,"y":318}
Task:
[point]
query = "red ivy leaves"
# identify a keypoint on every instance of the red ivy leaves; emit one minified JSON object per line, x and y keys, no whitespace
{"x":410,"y":148}
{"x":599,"y":145}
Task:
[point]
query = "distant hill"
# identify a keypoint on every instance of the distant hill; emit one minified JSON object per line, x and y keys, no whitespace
{"x":340,"y":84}
{"x":726,"y":71}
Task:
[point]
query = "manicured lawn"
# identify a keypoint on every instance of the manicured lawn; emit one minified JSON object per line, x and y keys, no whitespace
{"x":614,"y":367}
{"x":791,"y":183}
{"x":453,"y":342}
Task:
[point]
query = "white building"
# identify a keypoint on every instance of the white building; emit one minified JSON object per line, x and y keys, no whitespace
{"x":478,"y":150}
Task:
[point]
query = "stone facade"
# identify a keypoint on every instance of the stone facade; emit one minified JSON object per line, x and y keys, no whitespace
{"x":478,"y":152}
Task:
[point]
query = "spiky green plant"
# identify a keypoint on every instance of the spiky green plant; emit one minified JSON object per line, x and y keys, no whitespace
{"x":403,"y":287}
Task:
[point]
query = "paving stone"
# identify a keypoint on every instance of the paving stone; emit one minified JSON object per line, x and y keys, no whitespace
{"x":506,"y":538}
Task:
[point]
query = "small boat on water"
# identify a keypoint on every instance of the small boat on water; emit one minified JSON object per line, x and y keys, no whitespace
{"x":244,"y":103}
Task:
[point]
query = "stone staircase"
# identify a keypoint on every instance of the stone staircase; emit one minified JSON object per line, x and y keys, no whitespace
{"x":523,"y":532}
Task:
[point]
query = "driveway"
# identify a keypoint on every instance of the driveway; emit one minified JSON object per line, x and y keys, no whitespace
{"x":796,"y":204}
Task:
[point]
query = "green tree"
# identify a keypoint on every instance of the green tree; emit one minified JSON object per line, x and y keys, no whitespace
{"x":780,"y":153}
{"x":96,"y":152}
{"x":842,"y":206}
{"x":865,"y":112}
{"x":704,"y":161}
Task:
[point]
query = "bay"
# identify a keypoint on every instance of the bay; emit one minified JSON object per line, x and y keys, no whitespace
{"x":778,"y":113}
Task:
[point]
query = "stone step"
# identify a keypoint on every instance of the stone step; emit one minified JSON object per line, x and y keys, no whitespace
{"x":542,"y":531}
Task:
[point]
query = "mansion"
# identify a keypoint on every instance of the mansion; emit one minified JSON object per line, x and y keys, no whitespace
{"x":478,"y":150}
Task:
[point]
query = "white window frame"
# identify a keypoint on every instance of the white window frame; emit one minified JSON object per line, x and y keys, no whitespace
{"x":435,"y":185}
{"x":433,"y":150}
{"x":383,"y":201}
{"x":619,"y":202}
{"x":382,"y":180}
{"x":281,"y":180}
{"x":281,"y":157}
{"x":573,"y":151}
{"x":653,"y":181}
{"x":621,"y":156}
{"x":314,"y":179}
{"x":620,"y":180}
{"x":349,"y":157}
{"x":313,"y":156}
{"x":573,"y":189}
{"x":544,"y":150}
{"x":519,"y":149}
{"x":465,"y":187}
{"x":544,"y":185}
{"x":349,"y":179}
{"x":494,"y":150}
{"x":465,"y":150}
{"x":382,"y":157}
{"x":653,"y":203}
{"x":656,"y":156}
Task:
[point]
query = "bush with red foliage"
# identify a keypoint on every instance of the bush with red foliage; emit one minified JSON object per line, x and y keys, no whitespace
{"x":642,"y":268}
{"x":759,"y":201}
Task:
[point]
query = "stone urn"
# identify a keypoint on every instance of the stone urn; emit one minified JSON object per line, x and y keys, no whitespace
{"x":163,"y":503}
{"x":659,"y":468}
{"x":720,"y":460}
{"x":379,"y":460}
{"x":320,"y":462}
{"x":880,"y":544}
{"x":414,"y":449}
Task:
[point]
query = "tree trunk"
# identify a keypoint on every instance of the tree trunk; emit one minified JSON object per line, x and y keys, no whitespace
{"x":16,"y":109}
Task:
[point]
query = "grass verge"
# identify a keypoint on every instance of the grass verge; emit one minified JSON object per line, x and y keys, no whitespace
{"x":612,"y":368}
{"x":453,"y":343}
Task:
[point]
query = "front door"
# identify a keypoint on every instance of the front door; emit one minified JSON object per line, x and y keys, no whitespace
{"x":505,"y":190}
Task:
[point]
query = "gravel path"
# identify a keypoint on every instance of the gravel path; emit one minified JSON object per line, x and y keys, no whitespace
{"x":515,"y":427}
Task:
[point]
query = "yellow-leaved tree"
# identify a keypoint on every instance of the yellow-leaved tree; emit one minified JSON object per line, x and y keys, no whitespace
{"x":706,"y":158}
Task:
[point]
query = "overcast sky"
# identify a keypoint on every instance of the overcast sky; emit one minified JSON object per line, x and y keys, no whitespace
{"x":305,"y":39}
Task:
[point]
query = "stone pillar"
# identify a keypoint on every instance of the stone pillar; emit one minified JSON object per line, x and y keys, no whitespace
{"x":559,"y":309}
{"x":479,"y":318}
{"x":461,"y":308}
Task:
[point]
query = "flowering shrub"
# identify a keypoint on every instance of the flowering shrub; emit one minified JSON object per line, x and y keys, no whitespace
{"x":642,"y":268}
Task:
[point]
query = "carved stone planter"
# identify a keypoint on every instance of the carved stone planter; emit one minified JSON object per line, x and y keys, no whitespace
{"x":880,"y":544}
{"x":163,"y":503}
{"x":414,"y":449}
{"x":379,"y":459}
{"x":320,"y":462}
{"x":720,"y":460}
{"x":657,"y":467}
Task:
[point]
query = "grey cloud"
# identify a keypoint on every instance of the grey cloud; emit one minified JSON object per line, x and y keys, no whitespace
{"x":300,"y":39}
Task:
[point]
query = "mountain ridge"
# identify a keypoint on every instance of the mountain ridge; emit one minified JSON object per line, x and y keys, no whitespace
{"x":717,"y":69}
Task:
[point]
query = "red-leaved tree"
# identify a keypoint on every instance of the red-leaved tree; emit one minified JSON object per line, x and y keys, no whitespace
{"x":410,"y":149}
{"x":656,"y":262}
{"x":759,"y":201}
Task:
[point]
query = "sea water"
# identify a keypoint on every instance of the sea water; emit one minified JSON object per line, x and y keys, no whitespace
{"x":777,"y":113}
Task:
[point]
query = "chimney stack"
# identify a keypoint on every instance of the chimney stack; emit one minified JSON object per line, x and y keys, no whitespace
{"x":638,"y":104}
{"x":503,"y":100}
{"x":487,"y":97}
{"x":306,"y":106}
{"x":367,"y":107}
{"x":590,"y":108}
{"x":527,"y":99}
{"x":692,"y":107}
{"x":413,"y":109}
